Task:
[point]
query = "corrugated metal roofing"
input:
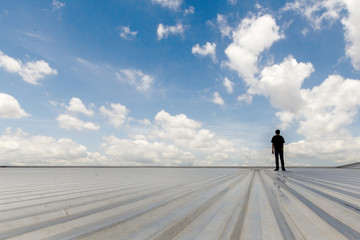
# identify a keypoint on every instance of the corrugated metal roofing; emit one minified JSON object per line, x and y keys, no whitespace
{"x":179,"y":203}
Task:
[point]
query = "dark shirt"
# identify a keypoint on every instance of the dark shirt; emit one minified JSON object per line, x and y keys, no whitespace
{"x":278,"y":142}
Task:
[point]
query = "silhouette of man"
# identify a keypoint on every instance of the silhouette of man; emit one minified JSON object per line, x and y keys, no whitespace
{"x":278,"y":149}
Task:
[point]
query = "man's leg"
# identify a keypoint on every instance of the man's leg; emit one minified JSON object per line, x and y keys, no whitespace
{"x":282,"y":160}
{"x":277,"y":160}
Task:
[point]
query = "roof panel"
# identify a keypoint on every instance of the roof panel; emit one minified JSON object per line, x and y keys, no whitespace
{"x":179,"y":203}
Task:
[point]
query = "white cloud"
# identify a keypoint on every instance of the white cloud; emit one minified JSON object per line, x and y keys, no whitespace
{"x":69,"y":122}
{"x":173,"y":140}
{"x":126,"y":33}
{"x":317,"y":12}
{"x":217,"y":99}
{"x":320,"y":13}
{"x":286,"y":118}
{"x":178,"y":121}
{"x":320,"y":116}
{"x":245,"y":97}
{"x":145,"y":122}
{"x":282,"y":83}
{"x":136,"y":78}
{"x":187,"y":134}
{"x":250,"y":39}
{"x":33,"y":71}
{"x":117,"y":114}
{"x":323,"y":112}
{"x":352,"y":32}
{"x":232,"y":2}
{"x":143,"y":152}
{"x":326,"y":117}
{"x":321,"y":152}
{"x":77,"y":106}
{"x":10,"y":64}
{"x":171,"y":4}
{"x":21,"y":148}
{"x":30,"y":72}
{"x":10,"y":107}
{"x":57,"y":4}
{"x":229,"y":85}
{"x":163,"y":31}
{"x":305,"y":31}
{"x":224,"y":28}
{"x":190,"y":10}
{"x":205,"y":50}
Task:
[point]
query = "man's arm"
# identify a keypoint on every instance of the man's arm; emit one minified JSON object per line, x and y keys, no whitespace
{"x":282,"y":148}
{"x":272,"y":148}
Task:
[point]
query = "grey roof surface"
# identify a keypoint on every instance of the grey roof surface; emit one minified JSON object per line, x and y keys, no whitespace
{"x":179,"y":203}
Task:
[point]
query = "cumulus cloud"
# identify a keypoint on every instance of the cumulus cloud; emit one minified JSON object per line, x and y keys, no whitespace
{"x":342,"y":150}
{"x":172,"y":140}
{"x":126,"y":33}
{"x":136,"y":78}
{"x":352,"y":33}
{"x":77,"y":106}
{"x":251,"y":37}
{"x":163,"y":31}
{"x":322,"y":120}
{"x":187,"y":133}
{"x":319,"y":114}
{"x":209,"y":49}
{"x":117,"y":115}
{"x":143,"y":152}
{"x":171,"y":4}
{"x":229,"y":85}
{"x":326,"y":117}
{"x":30,"y":72}
{"x":21,"y":148}
{"x":282,"y":83}
{"x":178,"y":121}
{"x":10,"y":107}
{"x":323,"y":112}
{"x":217,"y":99}
{"x":70,"y":122}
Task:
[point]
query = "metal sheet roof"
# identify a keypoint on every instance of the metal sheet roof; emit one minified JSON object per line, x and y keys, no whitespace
{"x":179,"y":203}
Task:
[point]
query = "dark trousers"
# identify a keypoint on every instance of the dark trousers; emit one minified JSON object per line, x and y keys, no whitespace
{"x":281,"y":153}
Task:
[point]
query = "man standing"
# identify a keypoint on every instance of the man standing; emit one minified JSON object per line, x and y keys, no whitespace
{"x":278,"y":149}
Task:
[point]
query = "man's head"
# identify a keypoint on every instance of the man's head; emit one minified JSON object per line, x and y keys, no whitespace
{"x":277,"y":131}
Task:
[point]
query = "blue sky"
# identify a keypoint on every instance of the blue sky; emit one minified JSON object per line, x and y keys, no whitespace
{"x":179,"y":82}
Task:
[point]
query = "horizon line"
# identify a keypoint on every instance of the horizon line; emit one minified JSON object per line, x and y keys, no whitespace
{"x":161,"y":166}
